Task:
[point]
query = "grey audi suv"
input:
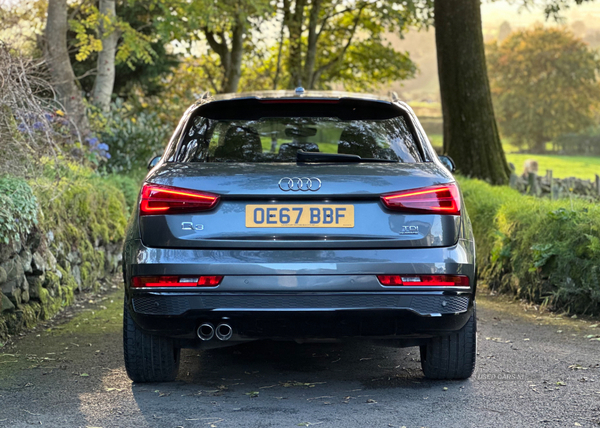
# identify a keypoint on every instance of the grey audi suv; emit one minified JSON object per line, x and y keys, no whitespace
{"x":306,"y":216}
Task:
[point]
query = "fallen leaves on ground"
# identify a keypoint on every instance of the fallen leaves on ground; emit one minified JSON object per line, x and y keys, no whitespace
{"x":290,"y":384}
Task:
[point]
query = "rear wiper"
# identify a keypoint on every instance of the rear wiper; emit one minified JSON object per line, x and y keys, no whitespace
{"x":303,"y":156}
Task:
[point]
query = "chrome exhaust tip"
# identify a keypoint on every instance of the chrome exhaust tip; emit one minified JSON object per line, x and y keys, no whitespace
{"x":224,"y":332}
{"x":206,"y":331}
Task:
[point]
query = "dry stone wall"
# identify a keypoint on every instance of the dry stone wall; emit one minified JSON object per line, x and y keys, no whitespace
{"x":556,"y":188}
{"x":40,"y":275}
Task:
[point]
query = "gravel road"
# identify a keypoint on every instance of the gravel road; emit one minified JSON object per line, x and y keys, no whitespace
{"x":533,"y":371}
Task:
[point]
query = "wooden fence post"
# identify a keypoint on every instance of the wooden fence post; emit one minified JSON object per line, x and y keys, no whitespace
{"x":551,"y":181}
{"x":532,"y":184}
{"x":513,"y":176}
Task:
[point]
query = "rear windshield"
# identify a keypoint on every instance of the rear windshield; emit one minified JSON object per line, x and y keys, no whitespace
{"x":278,"y":139}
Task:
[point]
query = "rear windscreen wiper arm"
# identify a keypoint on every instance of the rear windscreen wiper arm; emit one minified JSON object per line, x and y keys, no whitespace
{"x":303,"y":156}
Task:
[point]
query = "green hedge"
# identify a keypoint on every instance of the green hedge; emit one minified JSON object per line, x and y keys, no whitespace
{"x":129,"y":185}
{"x":545,"y":251}
{"x":84,"y":206}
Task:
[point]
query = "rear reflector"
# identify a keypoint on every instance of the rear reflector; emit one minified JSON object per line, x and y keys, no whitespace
{"x":430,"y":200}
{"x":424,"y":280}
{"x":177,"y":281}
{"x":172,"y":200}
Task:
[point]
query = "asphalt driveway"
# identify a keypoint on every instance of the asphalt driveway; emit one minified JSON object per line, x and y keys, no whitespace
{"x":538,"y":371}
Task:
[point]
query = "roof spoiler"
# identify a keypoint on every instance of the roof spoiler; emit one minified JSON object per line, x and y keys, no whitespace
{"x":253,"y":108}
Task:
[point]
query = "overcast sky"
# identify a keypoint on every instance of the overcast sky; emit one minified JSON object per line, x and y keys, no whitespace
{"x":494,"y":13}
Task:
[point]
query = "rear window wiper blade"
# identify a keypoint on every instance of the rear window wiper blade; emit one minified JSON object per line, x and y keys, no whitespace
{"x":303,"y":156}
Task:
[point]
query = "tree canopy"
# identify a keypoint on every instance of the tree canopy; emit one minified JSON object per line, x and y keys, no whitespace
{"x":544,"y":84}
{"x":161,"y":55}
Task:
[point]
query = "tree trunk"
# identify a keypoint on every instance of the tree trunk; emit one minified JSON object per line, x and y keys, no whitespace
{"x":61,"y":72}
{"x":311,"y":49}
{"x":294,"y":24}
{"x":470,"y":132}
{"x":105,"y":80}
{"x":233,"y":74}
{"x":539,"y":146}
{"x":278,"y":68}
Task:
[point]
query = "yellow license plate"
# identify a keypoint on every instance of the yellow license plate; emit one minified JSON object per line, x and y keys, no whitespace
{"x":276,"y":215}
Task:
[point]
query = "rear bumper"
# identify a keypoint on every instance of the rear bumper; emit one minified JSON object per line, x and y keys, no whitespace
{"x":296,"y":294}
{"x":138,"y":259}
{"x":303,"y":316}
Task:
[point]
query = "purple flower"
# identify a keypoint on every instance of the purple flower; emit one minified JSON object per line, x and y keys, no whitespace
{"x":92,"y":141}
{"x":38,"y":125}
{"x":22,"y":127}
{"x":102,"y":146}
{"x":107,"y":155}
{"x":49,"y":117}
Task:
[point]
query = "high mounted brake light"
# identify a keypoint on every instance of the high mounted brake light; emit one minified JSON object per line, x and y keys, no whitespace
{"x":172,"y":200}
{"x":424,"y":280}
{"x":443,"y":199}
{"x":299,"y":101}
{"x":176,"y":281}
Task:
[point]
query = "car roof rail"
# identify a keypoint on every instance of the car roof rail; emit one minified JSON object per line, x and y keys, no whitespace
{"x":394,"y":96}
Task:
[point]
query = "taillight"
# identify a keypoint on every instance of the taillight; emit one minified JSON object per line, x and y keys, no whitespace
{"x":424,"y":280}
{"x":430,"y":200}
{"x":172,"y":200}
{"x":176,"y":281}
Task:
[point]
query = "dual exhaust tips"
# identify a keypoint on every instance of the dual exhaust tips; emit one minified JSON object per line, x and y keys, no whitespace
{"x":207,"y":331}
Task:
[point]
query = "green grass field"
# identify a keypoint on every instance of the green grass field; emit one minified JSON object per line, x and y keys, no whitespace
{"x":437,"y":140}
{"x":561,"y":166}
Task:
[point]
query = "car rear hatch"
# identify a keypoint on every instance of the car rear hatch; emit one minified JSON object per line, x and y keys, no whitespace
{"x":299,"y":173}
{"x":347,"y":208}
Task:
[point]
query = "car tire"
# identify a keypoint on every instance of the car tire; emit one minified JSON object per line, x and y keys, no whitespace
{"x":453,"y":356}
{"x":148,"y":358}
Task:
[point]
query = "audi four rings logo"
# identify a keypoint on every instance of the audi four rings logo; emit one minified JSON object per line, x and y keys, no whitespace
{"x":296,"y":183}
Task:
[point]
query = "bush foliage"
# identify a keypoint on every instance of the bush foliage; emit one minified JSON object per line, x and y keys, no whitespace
{"x":586,"y":142}
{"x":542,"y":250}
{"x":18,"y":209}
{"x":133,"y":138}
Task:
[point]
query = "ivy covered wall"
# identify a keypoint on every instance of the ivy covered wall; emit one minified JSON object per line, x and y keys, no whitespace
{"x":58,"y":238}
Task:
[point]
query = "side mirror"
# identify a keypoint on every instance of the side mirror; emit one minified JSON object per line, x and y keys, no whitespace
{"x":153,"y":162}
{"x":448,"y":162}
